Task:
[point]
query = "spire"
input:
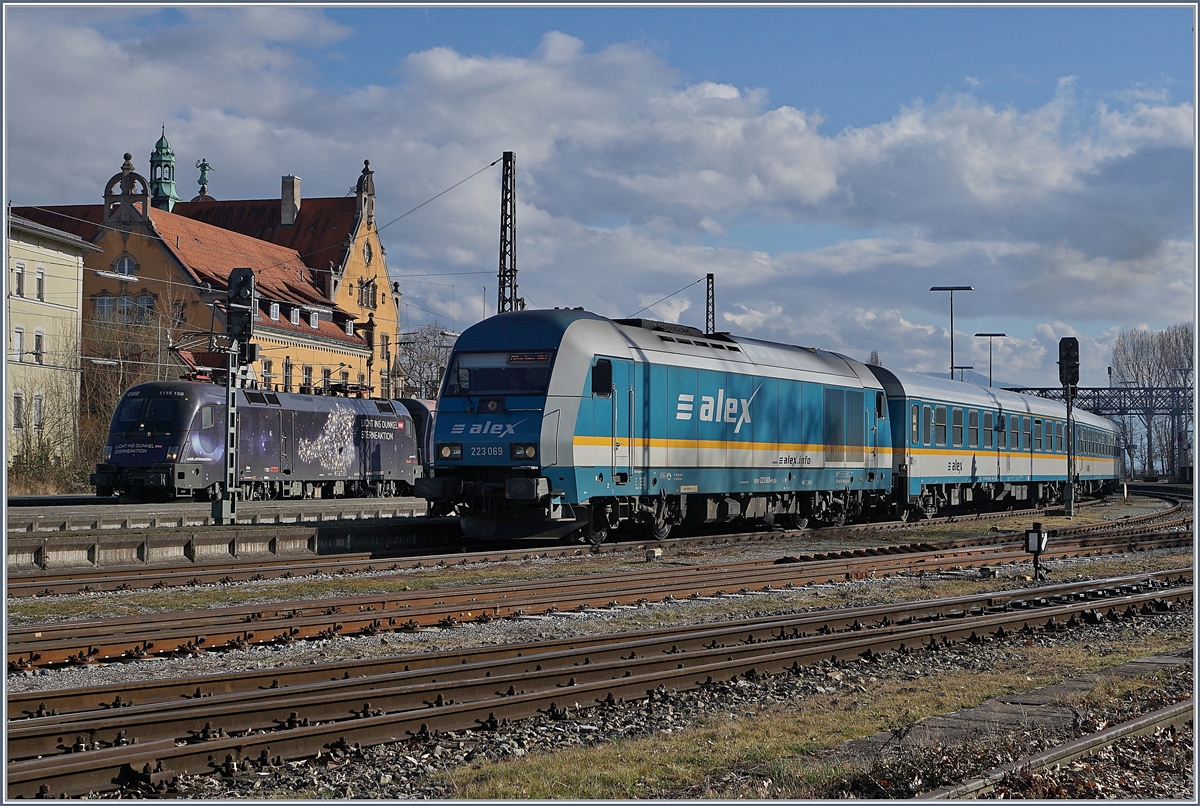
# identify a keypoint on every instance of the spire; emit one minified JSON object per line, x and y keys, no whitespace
{"x":365,"y":191}
{"x":162,"y":174}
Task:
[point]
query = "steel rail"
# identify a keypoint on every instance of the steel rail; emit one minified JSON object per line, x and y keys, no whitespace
{"x":24,"y":582}
{"x":142,"y":692}
{"x":1175,"y":715}
{"x":237,"y":627}
{"x":630,"y":677}
{"x":269,"y":709}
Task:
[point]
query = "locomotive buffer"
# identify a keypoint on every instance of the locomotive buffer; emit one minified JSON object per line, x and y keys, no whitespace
{"x":239,"y":326}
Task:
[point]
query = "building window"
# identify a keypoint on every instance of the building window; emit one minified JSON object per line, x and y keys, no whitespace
{"x":287,"y":374}
{"x":18,"y":421}
{"x":145,"y":307}
{"x":275,"y":311}
{"x":295,"y":316}
{"x":349,"y":327}
{"x":18,"y":344}
{"x":177,"y":312}
{"x":267,"y":375}
{"x":362,"y":379}
{"x":326,"y":376}
{"x":314,"y":320}
{"x":19,"y":280}
{"x":104,"y":308}
{"x":125,"y":265}
{"x":39,"y":348}
{"x":308,"y":376}
{"x":345,"y":377}
{"x":39,"y":285}
{"x":367,"y":294}
{"x":38,"y":412}
{"x":125,"y":310}
{"x":254,"y":307}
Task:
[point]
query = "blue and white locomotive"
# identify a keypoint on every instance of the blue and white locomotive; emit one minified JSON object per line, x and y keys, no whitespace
{"x":563,"y":422}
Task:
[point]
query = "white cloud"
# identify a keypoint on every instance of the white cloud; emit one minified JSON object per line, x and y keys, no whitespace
{"x":632,"y":183}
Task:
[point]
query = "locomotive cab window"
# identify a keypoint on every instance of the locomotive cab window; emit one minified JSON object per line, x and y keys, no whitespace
{"x":880,"y":406}
{"x":206,"y":416}
{"x":501,"y":373}
{"x":602,"y":378}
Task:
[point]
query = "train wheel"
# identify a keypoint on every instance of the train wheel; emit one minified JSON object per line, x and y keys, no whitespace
{"x":597,"y":537}
{"x":658,"y":531}
{"x":798,"y":521}
{"x":838,"y":519}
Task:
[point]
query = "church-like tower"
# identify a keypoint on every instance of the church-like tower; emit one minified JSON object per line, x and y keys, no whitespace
{"x":162,"y":174}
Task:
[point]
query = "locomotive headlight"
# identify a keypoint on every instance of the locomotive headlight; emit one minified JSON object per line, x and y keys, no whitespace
{"x":173,"y":452}
{"x":107,"y":452}
{"x":449,"y":450}
{"x":522,"y":450}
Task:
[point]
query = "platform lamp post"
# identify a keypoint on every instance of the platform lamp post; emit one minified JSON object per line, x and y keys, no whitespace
{"x":961,"y":368}
{"x":989,"y":337}
{"x":952,"y":289}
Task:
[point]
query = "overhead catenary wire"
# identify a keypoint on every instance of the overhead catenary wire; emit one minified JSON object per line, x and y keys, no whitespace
{"x":667,"y":297}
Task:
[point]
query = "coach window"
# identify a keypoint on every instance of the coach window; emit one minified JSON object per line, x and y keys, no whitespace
{"x":1027,"y":433}
{"x":939,"y":425}
{"x":914,"y":437}
{"x":973,"y":429}
{"x":1037,"y":435}
{"x":988,"y":424}
{"x":1058,"y":437}
{"x":956,"y":420}
{"x":927,"y":425}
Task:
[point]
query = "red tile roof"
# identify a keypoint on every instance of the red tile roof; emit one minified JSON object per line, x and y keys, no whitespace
{"x":82,"y":220}
{"x":320,"y":234}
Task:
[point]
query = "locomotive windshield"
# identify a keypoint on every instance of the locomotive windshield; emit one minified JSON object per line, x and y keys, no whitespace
{"x":154,"y":415}
{"x":524,"y":373}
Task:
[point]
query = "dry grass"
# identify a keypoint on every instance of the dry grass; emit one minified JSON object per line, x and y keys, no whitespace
{"x":781,"y":745}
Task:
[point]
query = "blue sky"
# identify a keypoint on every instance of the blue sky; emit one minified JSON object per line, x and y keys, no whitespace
{"x":829,"y":165}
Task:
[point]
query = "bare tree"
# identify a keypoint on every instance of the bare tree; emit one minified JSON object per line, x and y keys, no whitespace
{"x":1146,"y":358}
{"x":424,"y":354}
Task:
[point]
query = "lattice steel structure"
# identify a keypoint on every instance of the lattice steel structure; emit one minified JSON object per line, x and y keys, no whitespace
{"x":507,"y":277}
{"x":710,"y":307}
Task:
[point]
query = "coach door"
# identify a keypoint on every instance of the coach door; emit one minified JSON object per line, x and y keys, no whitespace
{"x":613,"y":405}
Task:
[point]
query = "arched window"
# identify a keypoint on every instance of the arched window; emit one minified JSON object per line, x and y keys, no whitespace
{"x":125,"y":265}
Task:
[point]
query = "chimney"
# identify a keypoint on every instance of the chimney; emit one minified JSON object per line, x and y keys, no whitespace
{"x":290,"y":201}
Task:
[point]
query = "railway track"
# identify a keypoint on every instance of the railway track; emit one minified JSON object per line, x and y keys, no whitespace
{"x":22,"y":583}
{"x":94,"y":744}
{"x":189,"y":633}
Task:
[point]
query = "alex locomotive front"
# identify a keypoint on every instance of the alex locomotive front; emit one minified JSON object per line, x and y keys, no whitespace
{"x":167,"y":439}
{"x":580,"y":424}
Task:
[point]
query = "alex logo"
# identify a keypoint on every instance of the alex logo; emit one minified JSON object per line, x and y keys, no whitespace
{"x":488,"y":428}
{"x":720,"y":409}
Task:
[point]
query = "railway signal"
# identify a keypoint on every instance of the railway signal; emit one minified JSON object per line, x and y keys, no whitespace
{"x":1068,"y":376}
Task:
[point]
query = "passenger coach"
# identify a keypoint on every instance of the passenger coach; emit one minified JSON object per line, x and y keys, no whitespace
{"x":964,"y":445}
